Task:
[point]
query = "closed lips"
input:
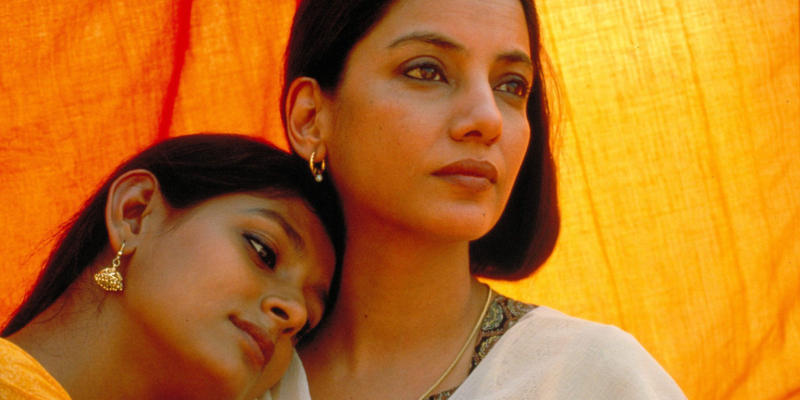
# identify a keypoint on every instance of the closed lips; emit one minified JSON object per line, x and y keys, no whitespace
{"x":479,"y":169}
{"x":264,"y":344}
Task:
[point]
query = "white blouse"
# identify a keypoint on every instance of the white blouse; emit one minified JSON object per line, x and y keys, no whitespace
{"x":547,"y":355}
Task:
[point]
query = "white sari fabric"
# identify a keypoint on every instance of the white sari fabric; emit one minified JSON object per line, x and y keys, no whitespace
{"x":547,"y":355}
{"x":293,"y":385}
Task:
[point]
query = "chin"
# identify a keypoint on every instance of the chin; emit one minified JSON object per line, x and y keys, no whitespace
{"x":219,"y":379}
{"x":460,"y":226}
{"x":208,"y":389}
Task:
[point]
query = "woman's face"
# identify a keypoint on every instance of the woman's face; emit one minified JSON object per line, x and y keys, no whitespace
{"x":222,"y":291}
{"x":428,"y":125}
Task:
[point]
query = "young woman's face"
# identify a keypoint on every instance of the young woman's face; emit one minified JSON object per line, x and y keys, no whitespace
{"x":429,"y":126}
{"x":221,"y":292}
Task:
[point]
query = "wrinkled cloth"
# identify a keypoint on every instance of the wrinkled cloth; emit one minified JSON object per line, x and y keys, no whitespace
{"x":548,"y":355}
{"x":23,"y":378}
{"x":677,"y":141}
{"x":293,"y":385}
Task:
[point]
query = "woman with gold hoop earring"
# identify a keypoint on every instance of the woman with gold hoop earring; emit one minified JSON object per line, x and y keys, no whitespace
{"x":432,"y":119}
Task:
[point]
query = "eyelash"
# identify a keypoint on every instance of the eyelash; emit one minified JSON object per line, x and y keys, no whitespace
{"x":265,"y":253}
{"x":522,"y":90}
{"x":426,"y":65}
{"x":269,"y":258}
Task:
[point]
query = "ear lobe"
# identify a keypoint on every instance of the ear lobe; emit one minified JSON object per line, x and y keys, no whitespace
{"x":305,"y":117}
{"x":131,"y":198}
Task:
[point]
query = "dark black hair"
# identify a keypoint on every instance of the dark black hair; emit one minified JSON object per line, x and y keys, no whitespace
{"x":323,"y":34}
{"x":190,"y":169}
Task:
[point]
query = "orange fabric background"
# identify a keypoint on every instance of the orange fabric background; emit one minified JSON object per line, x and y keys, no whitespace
{"x":677,"y":154}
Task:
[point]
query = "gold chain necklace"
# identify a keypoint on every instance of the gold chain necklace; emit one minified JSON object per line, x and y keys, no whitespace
{"x":463,"y":348}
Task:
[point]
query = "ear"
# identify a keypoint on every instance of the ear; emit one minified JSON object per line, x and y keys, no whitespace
{"x":131,"y":199}
{"x":307,"y":117}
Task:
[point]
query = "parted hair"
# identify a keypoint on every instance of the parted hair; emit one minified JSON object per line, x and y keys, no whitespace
{"x":323,"y":34}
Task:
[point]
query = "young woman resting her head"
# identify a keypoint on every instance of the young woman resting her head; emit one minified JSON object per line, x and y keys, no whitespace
{"x":432,"y":121}
{"x":190,"y":274}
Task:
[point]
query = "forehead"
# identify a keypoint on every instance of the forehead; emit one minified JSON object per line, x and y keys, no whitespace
{"x":291,"y":212}
{"x":288,"y":211}
{"x":302,"y":227}
{"x":499,"y":22}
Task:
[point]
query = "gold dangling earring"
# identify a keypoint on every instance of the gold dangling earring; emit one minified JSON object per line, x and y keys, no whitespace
{"x":109,"y":278}
{"x":316,"y":171}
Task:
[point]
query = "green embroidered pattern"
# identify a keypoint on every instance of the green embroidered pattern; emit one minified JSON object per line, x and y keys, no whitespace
{"x":501,"y":316}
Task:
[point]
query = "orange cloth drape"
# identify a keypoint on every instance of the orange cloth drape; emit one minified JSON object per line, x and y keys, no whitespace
{"x":23,"y":378}
{"x":680,"y":126}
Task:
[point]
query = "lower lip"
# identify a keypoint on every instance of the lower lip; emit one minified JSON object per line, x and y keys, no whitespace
{"x":253,"y":351}
{"x":468,"y":182}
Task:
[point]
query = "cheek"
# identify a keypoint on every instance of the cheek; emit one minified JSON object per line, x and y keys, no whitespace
{"x":191,"y":276}
{"x":371,"y":142}
{"x":181,"y":309}
{"x":198,"y":277}
{"x":514,"y":146}
{"x":365,"y":128}
{"x":379,"y":118}
{"x":519,"y":147}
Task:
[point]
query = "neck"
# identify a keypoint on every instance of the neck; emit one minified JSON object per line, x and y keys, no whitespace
{"x":82,"y":344}
{"x":389,"y":276}
{"x":406,"y":303}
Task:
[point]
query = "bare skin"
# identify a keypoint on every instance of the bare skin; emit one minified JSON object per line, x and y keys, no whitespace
{"x":402,"y":333}
{"x":431,"y":84}
{"x":193,"y":281}
{"x":81,"y":347}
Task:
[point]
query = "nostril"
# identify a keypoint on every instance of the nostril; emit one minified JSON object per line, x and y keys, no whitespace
{"x":280,"y":313}
{"x":288,"y":331}
{"x":473,"y":134}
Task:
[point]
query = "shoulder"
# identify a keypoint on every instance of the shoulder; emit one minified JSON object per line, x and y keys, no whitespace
{"x":551,"y":355}
{"x":22,"y":377}
{"x":564,"y":333}
{"x":551,"y":337}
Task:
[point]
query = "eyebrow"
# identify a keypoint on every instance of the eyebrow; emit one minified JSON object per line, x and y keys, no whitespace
{"x":295,"y":237}
{"x":431,"y":38}
{"x":445,"y":43}
{"x":515,"y":57}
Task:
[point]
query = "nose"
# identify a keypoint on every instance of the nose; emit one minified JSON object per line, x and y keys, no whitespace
{"x":288,"y":315}
{"x":478,"y":117}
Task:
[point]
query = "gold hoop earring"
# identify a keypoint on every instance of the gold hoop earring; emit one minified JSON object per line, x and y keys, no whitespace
{"x":109,"y":278}
{"x":316,"y":171}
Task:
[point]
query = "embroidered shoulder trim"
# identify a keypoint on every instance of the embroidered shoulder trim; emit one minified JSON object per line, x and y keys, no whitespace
{"x":503,"y":314}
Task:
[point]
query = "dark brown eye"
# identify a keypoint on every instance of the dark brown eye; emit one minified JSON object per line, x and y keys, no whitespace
{"x":425,"y":73}
{"x":514,"y":87}
{"x":265,"y":253}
